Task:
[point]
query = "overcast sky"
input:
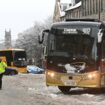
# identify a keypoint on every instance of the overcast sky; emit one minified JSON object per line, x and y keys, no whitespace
{"x":19,"y":15}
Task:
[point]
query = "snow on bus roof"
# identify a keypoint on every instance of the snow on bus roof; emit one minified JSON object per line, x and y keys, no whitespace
{"x":75,"y":6}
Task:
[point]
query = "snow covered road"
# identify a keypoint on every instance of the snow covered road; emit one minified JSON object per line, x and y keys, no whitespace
{"x":30,"y":89}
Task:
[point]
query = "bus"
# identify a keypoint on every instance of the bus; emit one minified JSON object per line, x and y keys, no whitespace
{"x":16,"y":59}
{"x":74,"y":54}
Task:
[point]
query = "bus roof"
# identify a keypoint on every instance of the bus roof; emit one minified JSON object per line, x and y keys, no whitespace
{"x":12,"y":49}
{"x":78,"y":23}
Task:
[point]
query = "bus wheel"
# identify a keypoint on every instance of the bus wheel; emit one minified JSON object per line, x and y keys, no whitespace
{"x":64,"y":89}
{"x":13,"y":72}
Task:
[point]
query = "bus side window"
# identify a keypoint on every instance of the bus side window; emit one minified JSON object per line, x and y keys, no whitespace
{"x":52,"y":45}
{"x":45,"y":50}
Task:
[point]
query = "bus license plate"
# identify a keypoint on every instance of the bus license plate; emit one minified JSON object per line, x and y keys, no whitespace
{"x":70,"y":82}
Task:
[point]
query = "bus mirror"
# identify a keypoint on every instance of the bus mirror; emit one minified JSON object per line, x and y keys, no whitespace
{"x":45,"y":51}
{"x":100,"y":35}
{"x":41,"y":38}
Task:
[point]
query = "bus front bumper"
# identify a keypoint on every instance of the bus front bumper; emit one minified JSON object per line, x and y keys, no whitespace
{"x":91,"y":79}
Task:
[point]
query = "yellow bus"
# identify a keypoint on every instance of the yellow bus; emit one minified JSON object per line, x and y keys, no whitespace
{"x":15,"y":58}
{"x":74,"y":55}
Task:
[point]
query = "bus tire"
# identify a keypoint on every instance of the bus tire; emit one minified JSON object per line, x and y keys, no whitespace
{"x":13,"y":72}
{"x":64,"y":89}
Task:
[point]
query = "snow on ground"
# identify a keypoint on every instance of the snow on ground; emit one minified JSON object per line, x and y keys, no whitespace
{"x":30,"y":89}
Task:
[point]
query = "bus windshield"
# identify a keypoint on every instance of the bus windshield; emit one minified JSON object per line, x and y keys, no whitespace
{"x":76,"y":43}
{"x":20,"y":55}
{"x":20,"y":58}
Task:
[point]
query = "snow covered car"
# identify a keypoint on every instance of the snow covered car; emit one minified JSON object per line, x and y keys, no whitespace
{"x":34,"y":69}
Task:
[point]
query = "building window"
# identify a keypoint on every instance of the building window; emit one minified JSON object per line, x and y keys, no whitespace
{"x":93,"y":7}
{"x":102,"y":3}
{"x":85,"y":8}
{"x":89,"y":7}
{"x":97,"y":6}
{"x":82,"y":8}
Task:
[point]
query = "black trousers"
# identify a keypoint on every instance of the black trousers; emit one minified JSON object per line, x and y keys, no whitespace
{"x":1,"y":76}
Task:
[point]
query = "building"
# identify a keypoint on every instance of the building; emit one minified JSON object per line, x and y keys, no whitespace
{"x":74,"y":11}
{"x":8,"y":39}
{"x":93,"y":9}
{"x":56,"y":16}
{"x":81,"y":9}
{"x":60,"y":7}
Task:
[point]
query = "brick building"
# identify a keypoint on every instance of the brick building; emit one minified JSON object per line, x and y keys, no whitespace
{"x":82,"y":9}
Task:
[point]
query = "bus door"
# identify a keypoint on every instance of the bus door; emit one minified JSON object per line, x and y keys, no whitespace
{"x":101,"y":56}
{"x":102,"y":47}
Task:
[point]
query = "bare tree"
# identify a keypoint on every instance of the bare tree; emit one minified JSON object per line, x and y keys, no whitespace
{"x":28,"y":40}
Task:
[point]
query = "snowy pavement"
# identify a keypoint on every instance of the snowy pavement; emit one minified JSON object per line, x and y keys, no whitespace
{"x":30,"y":89}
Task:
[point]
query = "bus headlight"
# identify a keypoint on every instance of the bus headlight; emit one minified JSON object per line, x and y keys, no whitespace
{"x":92,"y":76}
{"x":51,"y":74}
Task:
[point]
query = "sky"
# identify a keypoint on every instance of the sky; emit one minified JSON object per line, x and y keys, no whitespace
{"x":19,"y":15}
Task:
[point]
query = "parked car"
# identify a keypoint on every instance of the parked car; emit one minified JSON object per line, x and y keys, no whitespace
{"x":34,"y":69}
{"x":10,"y":71}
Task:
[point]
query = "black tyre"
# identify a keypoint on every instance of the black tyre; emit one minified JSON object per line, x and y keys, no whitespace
{"x":64,"y":89}
{"x":13,"y":72}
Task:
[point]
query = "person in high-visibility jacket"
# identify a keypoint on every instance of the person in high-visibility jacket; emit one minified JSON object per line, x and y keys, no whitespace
{"x":3,"y":65}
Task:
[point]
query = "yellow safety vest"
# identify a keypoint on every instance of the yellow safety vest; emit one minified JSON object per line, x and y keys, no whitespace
{"x":3,"y":65}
